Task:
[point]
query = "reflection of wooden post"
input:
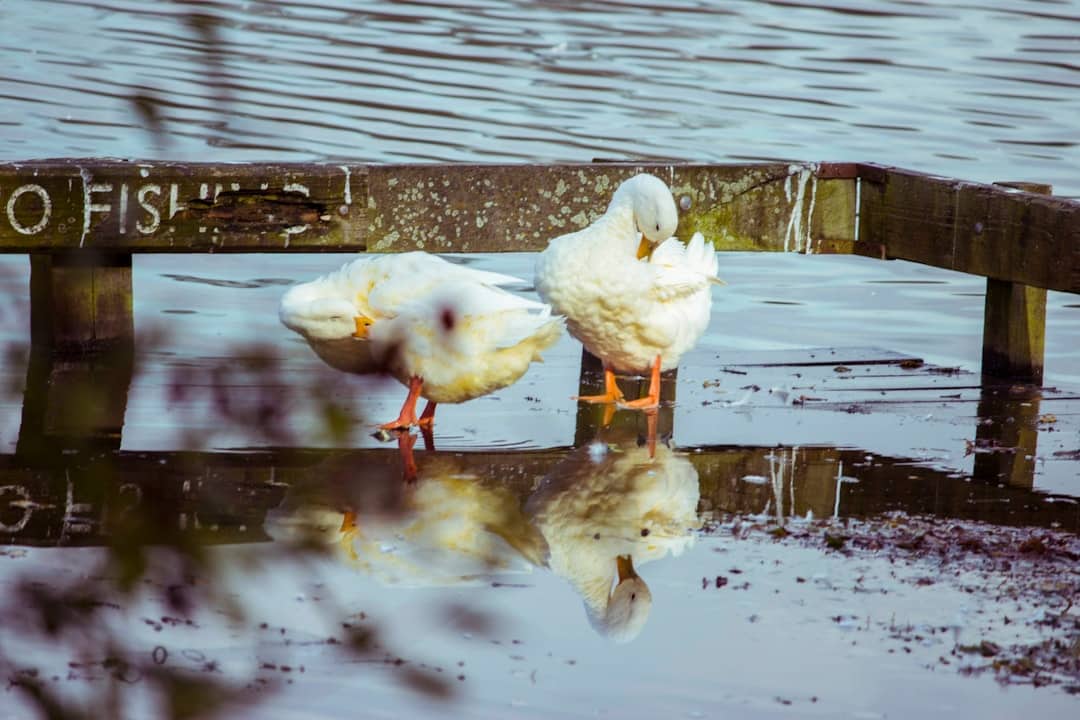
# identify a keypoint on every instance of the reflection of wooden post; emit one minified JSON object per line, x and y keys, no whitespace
{"x":82,"y":345}
{"x":1007,"y":437}
{"x":590,"y":418}
{"x":1014,"y":322}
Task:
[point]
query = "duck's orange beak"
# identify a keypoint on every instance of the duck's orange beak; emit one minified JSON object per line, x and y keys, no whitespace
{"x":362,"y":325}
{"x":644,"y":248}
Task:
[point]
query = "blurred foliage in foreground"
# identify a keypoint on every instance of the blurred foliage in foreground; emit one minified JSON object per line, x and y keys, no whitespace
{"x":69,"y":644}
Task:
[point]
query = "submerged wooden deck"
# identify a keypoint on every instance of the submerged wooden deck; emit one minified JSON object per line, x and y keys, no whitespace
{"x":63,"y":489}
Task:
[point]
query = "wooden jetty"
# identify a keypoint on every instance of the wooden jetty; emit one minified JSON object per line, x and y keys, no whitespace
{"x":81,"y":222}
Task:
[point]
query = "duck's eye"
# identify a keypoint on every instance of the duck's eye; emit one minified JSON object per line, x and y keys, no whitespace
{"x":633,"y":596}
{"x":644,"y":532}
{"x":657,"y":227}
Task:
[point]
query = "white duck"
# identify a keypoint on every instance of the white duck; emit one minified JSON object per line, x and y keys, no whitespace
{"x":360,"y":317}
{"x":637,"y":311}
{"x":460,"y":341}
{"x":334,"y":312}
{"x":605,"y":509}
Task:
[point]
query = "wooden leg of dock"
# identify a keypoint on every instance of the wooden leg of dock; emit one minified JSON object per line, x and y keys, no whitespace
{"x":81,"y":303}
{"x":1014,"y":322}
{"x":82,"y":353}
{"x":1014,"y":332}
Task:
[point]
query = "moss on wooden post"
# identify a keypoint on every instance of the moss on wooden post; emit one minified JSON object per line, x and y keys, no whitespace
{"x":1014,"y":323}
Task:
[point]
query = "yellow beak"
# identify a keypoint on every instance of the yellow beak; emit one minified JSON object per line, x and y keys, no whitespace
{"x":644,"y":249}
{"x":362,"y":325}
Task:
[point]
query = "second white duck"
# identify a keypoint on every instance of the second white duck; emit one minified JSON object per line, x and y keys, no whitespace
{"x":637,"y":307}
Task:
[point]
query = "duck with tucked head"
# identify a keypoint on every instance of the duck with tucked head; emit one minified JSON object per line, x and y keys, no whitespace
{"x":635,"y":296}
{"x":449,"y":332}
{"x":459,"y":342}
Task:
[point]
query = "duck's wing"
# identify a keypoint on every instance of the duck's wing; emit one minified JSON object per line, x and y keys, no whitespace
{"x":475,"y":318}
{"x":506,"y":319}
{"x":682,"y":270}
{"x":399,"y":280}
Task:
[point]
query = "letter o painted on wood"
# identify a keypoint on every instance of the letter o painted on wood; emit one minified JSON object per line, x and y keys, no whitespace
{"x":46,"y":213}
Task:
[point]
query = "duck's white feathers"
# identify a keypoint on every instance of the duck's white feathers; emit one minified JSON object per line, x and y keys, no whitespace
{"x":465,"y":340}
{"x":374,"y":286}
{"x":624,"y":310}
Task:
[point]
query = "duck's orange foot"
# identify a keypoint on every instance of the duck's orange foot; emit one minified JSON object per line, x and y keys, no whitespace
{"x":407,"y":417}
{"x":427,"y":418}
{"x":401,"y":424}
{"x":651,"y":401}
{"x":611,"y":394}
{"x":646,"y":403}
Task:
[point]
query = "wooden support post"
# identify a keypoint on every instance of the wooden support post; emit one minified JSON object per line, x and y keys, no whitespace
{"x":1014,"y":331}
{"x":1014,"y":323}
{"x":82,"y":352}
{"x":81,"y":303}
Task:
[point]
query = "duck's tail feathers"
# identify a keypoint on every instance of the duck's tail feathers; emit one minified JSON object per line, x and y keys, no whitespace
{"x":684,"y":269}
{"x":702,"y":255}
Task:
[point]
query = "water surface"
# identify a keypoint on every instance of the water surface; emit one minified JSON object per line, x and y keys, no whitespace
{"x":979,"y":92}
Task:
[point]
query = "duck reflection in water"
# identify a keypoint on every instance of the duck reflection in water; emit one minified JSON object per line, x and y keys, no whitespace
{"x":606,"y":510}
{"x":601,"y":513}
{"x":449,"y":523}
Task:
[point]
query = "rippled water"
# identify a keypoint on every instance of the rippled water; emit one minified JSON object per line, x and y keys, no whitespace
{"x":742,"y":624}
{"x":979,"y":91}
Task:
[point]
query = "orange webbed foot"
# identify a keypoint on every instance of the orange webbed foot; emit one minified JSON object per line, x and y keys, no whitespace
{"x":651,"y":401}
{"x":611,"y":394}
{"x":407,"y":417}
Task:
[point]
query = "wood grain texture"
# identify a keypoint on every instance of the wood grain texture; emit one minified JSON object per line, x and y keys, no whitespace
{"x":58,"y":205}
{"x":996,"y":232}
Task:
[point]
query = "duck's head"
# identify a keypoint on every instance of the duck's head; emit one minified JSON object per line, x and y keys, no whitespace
{"x":318,"y":318}
{"x":655,"y":213}
{"x":628,"y":605}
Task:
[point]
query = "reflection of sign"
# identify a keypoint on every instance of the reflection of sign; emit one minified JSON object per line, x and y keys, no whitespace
{"x":73,"y":506}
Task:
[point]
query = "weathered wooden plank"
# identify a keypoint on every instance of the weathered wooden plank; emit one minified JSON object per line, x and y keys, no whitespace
{"x":56,"y":205}
{"x":981,"y":229}
{"x":180,"y":207}
{"x":484,"y":208}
